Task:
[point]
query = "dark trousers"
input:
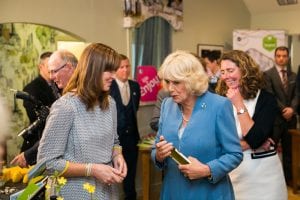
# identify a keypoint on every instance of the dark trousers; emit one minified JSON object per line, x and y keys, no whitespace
{"x":286,"y":143}
{"x":130,"y":156}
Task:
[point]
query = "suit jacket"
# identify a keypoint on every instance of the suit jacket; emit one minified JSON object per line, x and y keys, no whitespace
{"x":275,"y":86}
{"x":298,"y":89}
{"x":134,"y":101}
{"x":211,"y":137}
{"x":42,"y":92}
{"x":156,"y":110}
{"x":265,"y":113}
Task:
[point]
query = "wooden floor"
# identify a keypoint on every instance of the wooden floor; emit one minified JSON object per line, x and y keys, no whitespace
{"x":293,"y":196}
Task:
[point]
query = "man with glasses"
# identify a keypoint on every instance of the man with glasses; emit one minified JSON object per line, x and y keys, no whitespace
{"x":61,"y":66}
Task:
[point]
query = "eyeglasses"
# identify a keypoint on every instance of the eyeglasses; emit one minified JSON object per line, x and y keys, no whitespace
{"x":54,"y":71}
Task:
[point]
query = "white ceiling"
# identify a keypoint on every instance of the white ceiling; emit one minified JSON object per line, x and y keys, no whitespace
{"x":268,"y":6}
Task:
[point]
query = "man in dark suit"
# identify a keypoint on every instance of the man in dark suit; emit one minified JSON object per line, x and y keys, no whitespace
{"x":281,"y":81}
{"x":41,"y":89}
{"x":127,"y":94}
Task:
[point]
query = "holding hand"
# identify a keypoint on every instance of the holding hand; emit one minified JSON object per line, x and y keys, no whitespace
{"x":107,"y":174}
{"x":195,"y":170}
{"x":163,"y":149}
{"x":288,"y":113}
{"x":120,"y":165}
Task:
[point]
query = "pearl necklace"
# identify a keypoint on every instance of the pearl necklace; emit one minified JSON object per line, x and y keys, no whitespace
{"x":186,"y":120}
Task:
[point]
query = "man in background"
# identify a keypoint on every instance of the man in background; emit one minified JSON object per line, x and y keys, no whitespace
{"x":212,"y":67}
{"x":59,"y":67}
{"x":281,"y":81}
{"x":127,"y":95}
{"x":41,"y":89}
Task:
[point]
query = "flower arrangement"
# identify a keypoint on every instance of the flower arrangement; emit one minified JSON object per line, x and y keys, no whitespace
{"x":56,"y":182}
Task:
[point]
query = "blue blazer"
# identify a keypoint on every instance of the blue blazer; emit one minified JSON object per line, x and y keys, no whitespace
{"x":211,"y":137}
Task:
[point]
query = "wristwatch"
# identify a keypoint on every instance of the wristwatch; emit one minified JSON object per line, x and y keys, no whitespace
{"x":242,"y":111}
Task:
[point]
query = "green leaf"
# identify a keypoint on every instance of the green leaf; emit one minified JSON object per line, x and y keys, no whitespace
{"x":28,"y":191}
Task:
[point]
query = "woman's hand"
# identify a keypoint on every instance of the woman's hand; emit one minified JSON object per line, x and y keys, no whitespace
{"x":267,"y":144}
{"x":120,"y":165}
{"x":106,"y":174}
{"x":235,"y":97}
{"x":163,"y":149}
{"x":244,"y":145}
{"x":195,"y":170}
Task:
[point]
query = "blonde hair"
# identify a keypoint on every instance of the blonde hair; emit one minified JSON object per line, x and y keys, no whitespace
{"x":182,"y":66}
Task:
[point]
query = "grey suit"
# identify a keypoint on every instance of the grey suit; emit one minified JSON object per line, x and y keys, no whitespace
{"x":284,"y":99}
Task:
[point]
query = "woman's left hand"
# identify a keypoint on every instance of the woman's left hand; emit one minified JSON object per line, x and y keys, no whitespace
{"x":194,"y":170}
{"x":120,"y":164}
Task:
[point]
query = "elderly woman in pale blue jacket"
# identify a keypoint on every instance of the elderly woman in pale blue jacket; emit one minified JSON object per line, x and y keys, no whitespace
{"x":201,"y":126}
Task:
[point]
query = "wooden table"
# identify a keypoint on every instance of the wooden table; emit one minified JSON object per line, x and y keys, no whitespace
{"x":295,"y":158}
{"x":145,"y":157}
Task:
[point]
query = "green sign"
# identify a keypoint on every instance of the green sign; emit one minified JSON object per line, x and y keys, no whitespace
{"x":269,"y":42}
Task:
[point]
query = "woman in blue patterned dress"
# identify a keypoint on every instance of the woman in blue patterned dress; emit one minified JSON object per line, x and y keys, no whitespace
{"x":80,"y":138}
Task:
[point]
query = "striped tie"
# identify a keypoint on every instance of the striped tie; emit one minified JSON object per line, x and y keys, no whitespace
{"x":284,"y":80}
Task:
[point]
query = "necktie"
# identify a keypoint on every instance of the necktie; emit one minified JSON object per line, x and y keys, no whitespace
{"x":125,"y":94}
{"x":55,"y":90}
{"x":284,"y":80}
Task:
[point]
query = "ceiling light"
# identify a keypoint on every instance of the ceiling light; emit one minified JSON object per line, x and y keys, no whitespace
{"x":286,"y":2}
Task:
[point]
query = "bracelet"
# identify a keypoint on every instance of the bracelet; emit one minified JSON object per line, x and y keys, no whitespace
{"x":210,"y":177}
{"x":88,"y":169}
{"x":117,"y":148}
{"x":116,"y":155}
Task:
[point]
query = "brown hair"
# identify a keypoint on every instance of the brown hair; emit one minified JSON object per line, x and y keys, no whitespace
{"x":251,"y":76}
{"x":282,"y":48}
{"x":87,"y":77}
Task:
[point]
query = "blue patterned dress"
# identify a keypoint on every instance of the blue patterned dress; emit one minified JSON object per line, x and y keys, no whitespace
{"x":76,"y":135}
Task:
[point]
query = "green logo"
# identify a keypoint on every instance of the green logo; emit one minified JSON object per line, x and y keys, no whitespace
{"x":269,"y":42}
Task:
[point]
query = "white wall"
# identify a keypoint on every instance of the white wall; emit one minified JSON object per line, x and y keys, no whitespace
{"x":287,"y":21}
{"x":205,"y":21}
{"x":295,"y":61}
{"x":92,"y":20}
{"x":210,"y":22}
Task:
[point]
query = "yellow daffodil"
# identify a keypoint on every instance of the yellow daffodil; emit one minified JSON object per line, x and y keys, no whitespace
{"x":89,"y":188}
{"x":59,"y":198}
{"x":47,"y":186}
{"x":62,"y":181}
